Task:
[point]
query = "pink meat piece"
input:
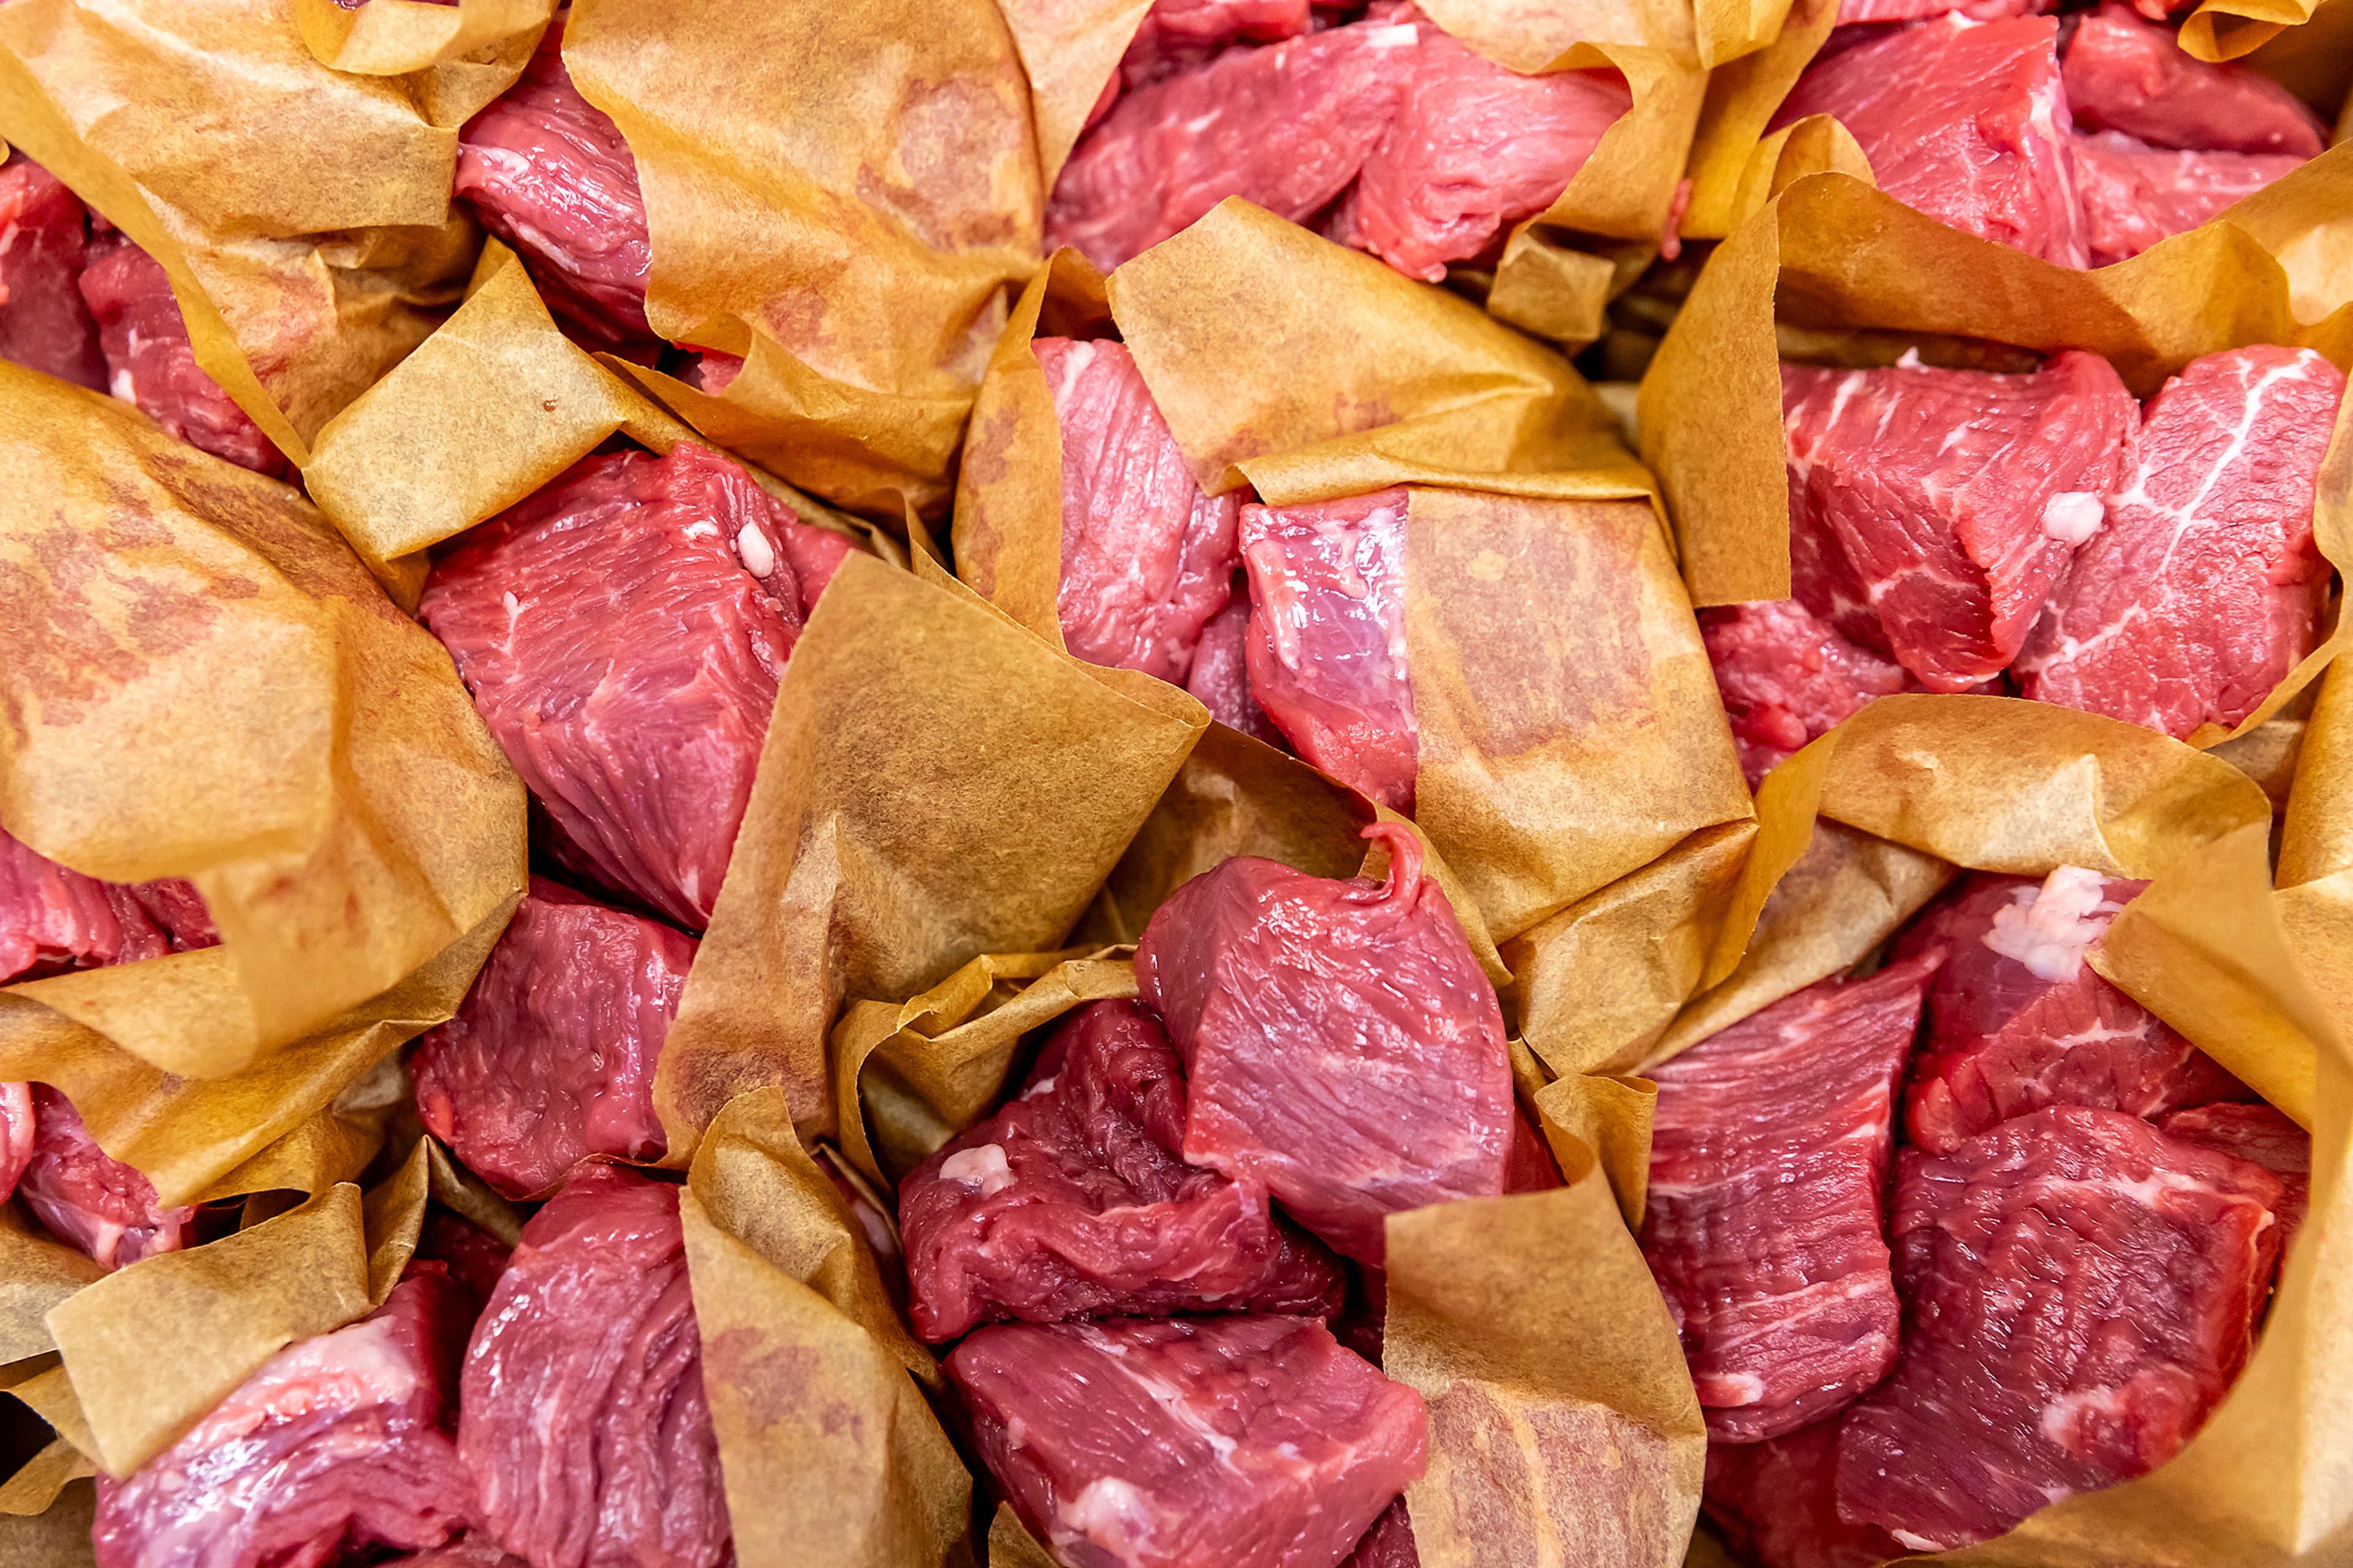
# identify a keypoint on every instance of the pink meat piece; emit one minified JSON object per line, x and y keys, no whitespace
{"x":1786,"y":676}
{"x":1074,"y":1201}
{"x":44,"y":233}
{"x":2123,"y":73}
{"x":550,"y":172}
{"x":54,"y":919}
{"x":1237,"y":1442}
{"x":1768,"y":1153}
{"x":19,"y":1130}
{"x":337,"y":1449}
{"x":1146,"y":558}
{"x":1388,"y":1544}
{"x":583,"y":1418}
{"x":1956,"y":498}
{"x":1220,"y":673}
{"x":1327,"y":646}
{"x":1777,"y":1503}
{"x":1286,"y":126}
{"x":1852,"y":13}
{"x":623,"y":632}
{"x":1965,"y":121}
{"x":2203,"y":591}
{"x":2135,"y":194}
{"x":2080,"y":1290}
{"x":150,"y":364}
{"x":1343,"y":1046}
{"x":2018,"y":1021}
{"x":88,"y":1198}
{"x":550,"y":1060}
{"x":2260,"y":1135}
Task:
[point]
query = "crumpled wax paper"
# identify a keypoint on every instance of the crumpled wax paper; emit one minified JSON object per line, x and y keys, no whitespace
{"x":453,"y":58}
{"x":301,"y":214}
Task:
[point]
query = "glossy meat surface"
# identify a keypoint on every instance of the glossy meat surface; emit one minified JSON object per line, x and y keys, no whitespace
{"x":151,"y":366}
{"x":18,"y":1123}
{"x":2260,"y":1135}
{"x":1220,"y":677}
{"x":91,"y":1200}
{"x":1786,"y":676}
{"x":2124,"y":73}
{"x":44,"y":233}
{"x":2135,"y":194}
{"x":1775,"y":1503}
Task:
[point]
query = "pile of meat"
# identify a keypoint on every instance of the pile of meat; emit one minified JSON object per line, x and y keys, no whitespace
{"x":2083,"y":140}
{"x":2086,"y":1216}
{"x":1371,"y":125}
{"x":1151,"y":1257}
{"x":80,"y":302}
{"x":1966,"y":531}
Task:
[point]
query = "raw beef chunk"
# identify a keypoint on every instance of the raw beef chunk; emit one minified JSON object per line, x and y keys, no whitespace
{"x":1388,"y":1544}
{"x":550,"y":1060}
{"x":548,"y":172}
{"x":1343,"y":1046}
{"x":151,"y":366}
{"x":1965,"y":121}
{"x":1146,"y":558}
{"x":1767,"y":1158}
{"x":1786,"y":676}
{"x":43,"y":231}
{"x":2123,"y":73}
{"x":2135,"y":194}
{"x":338,"y":1446}
{"x":2259,"y":1134}
{"x":623,"y":632}
{"x":1242,"y":1442}
{"x":53,"y":919}
{"x":2202,"y":591}
{"x":18,"y":1124}
{"x":1777,"y":1503}
{"x":2018,"y":1021}
{"x":1955,"y":498}
{"x":582,"y":1419}
{"x":91,"y":1199}
{"x":1220,"y":674}
{"x":2134,"y":1265}
{"x":1327,"y":649}
{"x":1074,"y":1201}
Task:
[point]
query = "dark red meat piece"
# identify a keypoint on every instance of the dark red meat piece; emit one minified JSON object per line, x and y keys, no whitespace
{"x":583,"y":1418}
{"x":2123,"y":73}
{"x":44,"y":232}
{"x":874,"y":1221}
{"x":472,"y":1257}
{"x":1965,"y":121}
{"x":89,"y":1199}
{"x":2080,"y":1290}
{"x":1768,"y":1155}
{"x":2260,"y":1135}
{"x":1342,"y":1044}
{"x":150,"y":364}
{"x":1786,"y":676}
{"x":1777,"y":1503}
{"x":468,"y":1550}
{"x":1327,"y":646}
{"x":1388,"y":1544}
{"x":2135,"y":194}
{"x":1956,"y":498}
{"x":338,"y":1445}
{"x":2202,"y":591}
{"x":1074,"y":1201}
{"x":1146,"y":558}
{"x":1220,"y":673}
{"x":1238,"y":1442}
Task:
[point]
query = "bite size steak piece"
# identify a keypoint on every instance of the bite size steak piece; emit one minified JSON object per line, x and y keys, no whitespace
{"x":2203,"y":591}
{"x":2080,"y":1290}
{"x":623,"y":632}
{"x":1236,"y":1442}
{"x":53,"y":919}
{"x":1786,"y":676}
{"x":582,"y":1416}
{"x":150,"y":364}
{"x":1075,"y":1201}
{"x":1220,"y":674}
{"x":1768,"y":1153}
{"x":2260,"y":1135}
{"x":91,"y":1200}
{"x":1343,"y":1048}
{"x":1777,"y":1503}
{"x":1952,"y":500}
{"x":2125,"y":73}
{"x":2018,"y":1021}
{"x":1147,"y":559}
{"x":2135,"y":194}
{"x":551,"y":1058}
{"x":337,"y":1449}
{"x":44,"y":234}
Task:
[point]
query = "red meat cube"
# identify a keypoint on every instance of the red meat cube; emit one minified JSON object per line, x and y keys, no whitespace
{"x":1239,"y":1442}
{"x":1220,"y":674}
{"x":1965,"y":121}
{"x":1786,"y":676}
{"x":1343,"y":1046}
{"x":2203,"y":591}
{"x":2135,"y":194}
{"x":2018,"y":1021}
{"x":1074,"y":1201}
{"x":1777,"y":1503}
{"x":550,"y":1060}
{"x":2080,"y":1289}
{"x":1388,"y":1544}
{"x":2262,"y":1136}
{"x":1768,"y":1155}
{"x":1146,"y":558}
{"x":151,"y":366}
{"x":1956,"y":498}
{"x":89,"y":1199}
{"x":623,"y":632}
{"x":2125,"y":74}
{"x":44,"y":233}
{"x":1327,"y":649}
{"x":582,"y":1419}
{"x":336,"y":1448}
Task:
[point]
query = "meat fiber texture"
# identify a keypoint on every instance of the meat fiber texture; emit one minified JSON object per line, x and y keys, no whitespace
{"x":2261,"y":1135}
{"x":582,"y":1419}
{"x":88,"y":1199}
{"x":1236,"y":1442}
{"x":44,"y":234}
{"x":1786,"y":676}
{"x":2124,"y":73}
{"x":2202,"y":590}
{"x":2135,"y":194}
{"x":1768,"y":1155}
{"x":2019,"y":1021}
{"x":551,"y":1058}
{"x":1435,"y":149}
{"x":1147,"y":559}
{"x":337,"y":1449}
{"x":53,"y":919}
{"x":1342,"y":1047}
{"x":623,"y":632}
{"x":2145,"y":1260}
{"x":1220,"y":674}
{"x":1075,"y":1201}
